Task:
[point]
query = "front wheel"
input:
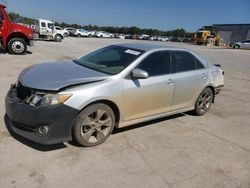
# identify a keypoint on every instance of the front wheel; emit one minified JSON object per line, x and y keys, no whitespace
{"x":236,"y":46}
{"x":94,"y":125}
{"x":204,"y":102}
{"x":17,"y":46}
{"x":58,"y":38}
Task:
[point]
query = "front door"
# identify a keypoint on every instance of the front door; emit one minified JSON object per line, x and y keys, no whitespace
{"x":151,"y":96}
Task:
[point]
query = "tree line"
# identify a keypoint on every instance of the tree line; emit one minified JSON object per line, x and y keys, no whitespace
{"x":133,"y":30}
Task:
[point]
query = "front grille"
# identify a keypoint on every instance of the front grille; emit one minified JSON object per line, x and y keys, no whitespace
{"x":22,"y":91}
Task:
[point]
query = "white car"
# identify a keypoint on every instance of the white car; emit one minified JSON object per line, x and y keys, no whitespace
{"x":103,"y":34}
{"x":163,"y":39}
{"x":81,"y":33}
{"x":64,"y":31}
{"x":69,"y":29}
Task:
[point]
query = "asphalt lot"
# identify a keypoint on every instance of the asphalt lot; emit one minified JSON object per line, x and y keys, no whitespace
{"x":177,"y":151}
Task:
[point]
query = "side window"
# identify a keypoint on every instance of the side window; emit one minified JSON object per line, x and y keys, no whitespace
{"x":157,"y":63}
{"x":50,"y":25}
{"x":199,"y":65}
{"x":185,"y":61}
{"x":43,"y":24}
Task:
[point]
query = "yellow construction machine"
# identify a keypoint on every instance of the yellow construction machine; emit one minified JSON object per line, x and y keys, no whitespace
{"x":208,"y":37}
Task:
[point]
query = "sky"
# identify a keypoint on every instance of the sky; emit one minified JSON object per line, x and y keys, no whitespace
{"x":156,"y":14}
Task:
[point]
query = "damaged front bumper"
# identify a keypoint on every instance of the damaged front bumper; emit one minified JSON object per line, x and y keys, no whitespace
{"x":44,"y":125}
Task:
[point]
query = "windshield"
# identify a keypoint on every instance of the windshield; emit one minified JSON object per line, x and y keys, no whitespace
{"x":51,"y":25}
{"x":110,"y":60}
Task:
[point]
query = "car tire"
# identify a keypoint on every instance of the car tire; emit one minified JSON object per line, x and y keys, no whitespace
{"x":94,"y":125}
{"x":65,"y":35}
{"x":236,"y":46}
{"x":79,"y":35}
{"x":204,"y":102}
{"x":58,"y":38}
{"x":89,"y":35}
{"x":101,"y":36}
{"x":17,"y":46}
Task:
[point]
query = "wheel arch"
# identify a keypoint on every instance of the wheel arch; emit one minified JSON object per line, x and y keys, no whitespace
{"x":59,"y":35}
{"x":18,"y":35}
{"x":109,"y":103}
{"x":212,"y":88}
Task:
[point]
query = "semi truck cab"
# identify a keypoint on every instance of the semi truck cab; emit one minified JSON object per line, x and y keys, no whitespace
{"x":45,"y":30}
{"x":14,"y":37}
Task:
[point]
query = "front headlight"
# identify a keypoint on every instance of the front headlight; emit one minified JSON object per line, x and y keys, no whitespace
{"x":49,"y":99}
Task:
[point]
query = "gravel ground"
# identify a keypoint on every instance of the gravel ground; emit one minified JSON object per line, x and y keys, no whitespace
{"x":177,"y":151}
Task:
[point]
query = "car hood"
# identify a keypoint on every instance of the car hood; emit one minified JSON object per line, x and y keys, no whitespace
{"x":57,"y":75}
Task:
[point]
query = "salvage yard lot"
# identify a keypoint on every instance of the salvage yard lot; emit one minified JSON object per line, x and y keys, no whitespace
{"x":178,"y":151}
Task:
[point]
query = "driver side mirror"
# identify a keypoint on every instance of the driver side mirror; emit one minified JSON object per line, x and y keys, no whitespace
{"x":139,"y":74}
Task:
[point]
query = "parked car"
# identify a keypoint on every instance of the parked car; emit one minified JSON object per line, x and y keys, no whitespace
{"x":103,"y":34}
{"x":176,"y":39}
{"x":153,"y":38}
{"x":115,"y":86}
{"x":69,"y":29}
{"x":143,"y":37}
{"x":64,"y":31}
{"x":81,"y":33}
{"x":163,"y":39}
{"x":119,"y":36}
{"x":92,"y":33}
{"x":244,"y":44}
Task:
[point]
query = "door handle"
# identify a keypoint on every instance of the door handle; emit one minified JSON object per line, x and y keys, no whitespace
{"x":204,"y":76}
{"x":170,"y":82}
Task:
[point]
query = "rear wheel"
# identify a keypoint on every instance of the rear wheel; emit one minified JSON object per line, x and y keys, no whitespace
{"x":79,"y":35}
{"x":17,"y":46}
{"x":204,"y":102}
{"x":94,"y":125}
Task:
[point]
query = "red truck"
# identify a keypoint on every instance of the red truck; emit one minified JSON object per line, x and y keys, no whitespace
{"x":14,"y":37}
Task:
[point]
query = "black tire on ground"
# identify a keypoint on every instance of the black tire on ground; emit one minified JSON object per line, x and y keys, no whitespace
{"x":58,"y":38}
{"x":236,"y":46}
{"x":101,"y":36}
{"x":94,"y":125}
{"x":65,"y":35}
{"x":17,"y":46}
{"x":204,"y":102}
{"x":79,"y":35}
{"x":89,"y":36}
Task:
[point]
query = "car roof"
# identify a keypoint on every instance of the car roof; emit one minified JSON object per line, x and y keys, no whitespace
{"x":147,"y":47}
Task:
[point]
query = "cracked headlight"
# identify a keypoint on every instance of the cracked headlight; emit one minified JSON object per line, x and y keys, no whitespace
{"x":49,"y":99}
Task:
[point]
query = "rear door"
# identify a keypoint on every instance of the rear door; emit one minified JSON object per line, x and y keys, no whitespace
{"x":190,"y":77}
{"x":151,"y":96}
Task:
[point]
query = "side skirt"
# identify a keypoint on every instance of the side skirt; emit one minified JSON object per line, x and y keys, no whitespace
{"x":157,"y":116}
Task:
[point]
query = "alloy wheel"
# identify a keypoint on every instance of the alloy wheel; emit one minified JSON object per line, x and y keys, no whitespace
{"x":96,"y":126}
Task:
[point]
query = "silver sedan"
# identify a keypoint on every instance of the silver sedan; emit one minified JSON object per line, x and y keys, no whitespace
{"x":115,"y":86}
{"x":243,"y":45}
